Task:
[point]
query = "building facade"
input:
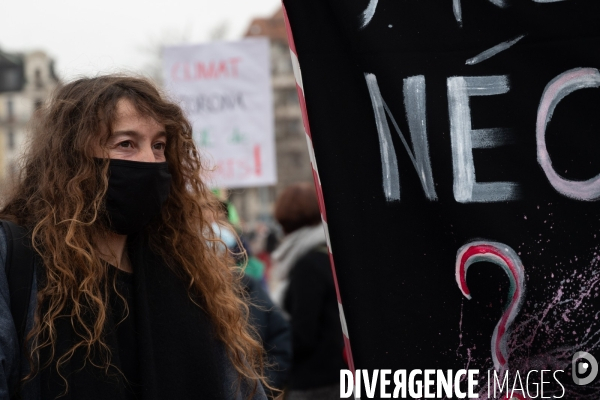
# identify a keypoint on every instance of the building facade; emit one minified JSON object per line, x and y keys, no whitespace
{"x":293,"y":162}
{"x":26,"y":81}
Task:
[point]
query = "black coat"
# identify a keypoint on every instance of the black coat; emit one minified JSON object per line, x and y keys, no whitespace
{"x":274,"y":332}
{"x":317,"y":339}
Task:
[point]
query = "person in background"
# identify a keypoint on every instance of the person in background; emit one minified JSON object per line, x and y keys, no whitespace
{"x":266,"y":240}
{"x":130,"y":298}
{"x":268,"y":320}
{"x":236,"y":239}
{"x":301,"y":282}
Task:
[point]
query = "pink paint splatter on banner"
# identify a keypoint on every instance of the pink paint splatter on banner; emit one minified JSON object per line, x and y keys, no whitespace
{"x":546,"y":333}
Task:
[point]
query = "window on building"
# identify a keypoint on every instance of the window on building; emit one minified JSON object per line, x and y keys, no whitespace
{"x":289,"y":128}
{"x":282,"y":63}
{"x":38,"y":79}
{"x":296,"y":159}
{"x":291,"y":97}
{"x":11,"y":139}
{"x":10,"y":110}
{"x":295,"y":127}
{"x":287,"y":97}
{"x":11,"y":79}
{"x":279,"y":128}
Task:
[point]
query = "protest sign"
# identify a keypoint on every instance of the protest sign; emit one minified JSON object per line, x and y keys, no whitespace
{"x":454,"y":137}
{"x":225,"y":90}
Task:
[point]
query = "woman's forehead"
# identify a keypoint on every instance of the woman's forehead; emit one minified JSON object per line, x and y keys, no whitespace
{"x":127,"y":116}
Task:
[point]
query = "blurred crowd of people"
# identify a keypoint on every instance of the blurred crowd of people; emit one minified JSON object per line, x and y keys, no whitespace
{"x":290,"y":285}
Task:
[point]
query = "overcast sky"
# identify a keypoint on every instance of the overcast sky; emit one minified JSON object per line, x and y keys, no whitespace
{"x":89,"y":37}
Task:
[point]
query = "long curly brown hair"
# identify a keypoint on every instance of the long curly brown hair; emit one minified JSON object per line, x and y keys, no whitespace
{"x":59,"y":197}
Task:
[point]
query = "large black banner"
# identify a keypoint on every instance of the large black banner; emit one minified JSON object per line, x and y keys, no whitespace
{"x":458,"y":145}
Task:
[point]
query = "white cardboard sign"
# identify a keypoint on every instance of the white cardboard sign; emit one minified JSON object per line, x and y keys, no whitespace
{"x":225,"y":90}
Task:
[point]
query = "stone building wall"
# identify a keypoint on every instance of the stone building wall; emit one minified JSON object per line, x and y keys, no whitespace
{"x":26,"y":81}
{"x":293,"y":163}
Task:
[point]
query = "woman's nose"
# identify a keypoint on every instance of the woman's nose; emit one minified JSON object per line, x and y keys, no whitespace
{"x":145,"y":154}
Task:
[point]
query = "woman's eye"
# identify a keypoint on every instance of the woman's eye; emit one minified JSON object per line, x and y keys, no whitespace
{"x":126,"y":144}
{"x":160,"y":146}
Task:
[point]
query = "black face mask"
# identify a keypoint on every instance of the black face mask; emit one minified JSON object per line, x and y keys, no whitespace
{"x":136,"y":192}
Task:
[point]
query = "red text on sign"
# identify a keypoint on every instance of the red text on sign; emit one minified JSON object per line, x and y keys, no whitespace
{"x":205,"y":70}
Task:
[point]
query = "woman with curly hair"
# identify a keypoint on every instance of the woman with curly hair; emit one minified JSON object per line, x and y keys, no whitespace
{"x":132,"y":298}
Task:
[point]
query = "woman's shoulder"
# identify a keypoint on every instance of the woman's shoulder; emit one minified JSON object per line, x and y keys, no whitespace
{"x":8,"y":336}
{"x":2,"y":251}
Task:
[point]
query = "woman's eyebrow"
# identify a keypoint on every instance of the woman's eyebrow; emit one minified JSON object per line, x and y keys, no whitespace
{"x":134,"y":133}
{"x":161,"y":134}
{"x":125,"y":133}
